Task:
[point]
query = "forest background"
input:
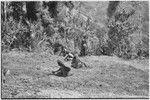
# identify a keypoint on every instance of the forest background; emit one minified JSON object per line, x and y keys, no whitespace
{"x":114,"y":28}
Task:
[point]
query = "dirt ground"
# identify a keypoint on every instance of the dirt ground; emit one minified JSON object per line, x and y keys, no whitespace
{"x":107,"y":77}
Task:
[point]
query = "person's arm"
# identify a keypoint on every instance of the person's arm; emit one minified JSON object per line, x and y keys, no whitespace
{"x":66,"y":56}
{"x":60,"y":63}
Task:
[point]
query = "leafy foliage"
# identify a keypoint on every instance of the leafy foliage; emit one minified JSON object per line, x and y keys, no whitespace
{"x":124,"y":25}
{"x":112,"y":28}
{"x":17,"y":10}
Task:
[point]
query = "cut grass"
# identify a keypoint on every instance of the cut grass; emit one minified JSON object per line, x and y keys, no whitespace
{"x":107,"y":77}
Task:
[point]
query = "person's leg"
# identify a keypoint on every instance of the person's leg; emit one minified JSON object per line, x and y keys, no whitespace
{"x":81,"y":52}
{"x":84,"y":51}
{"x":65,"y":71}
{"x":55,"y":72}
{"x":58,"y":72}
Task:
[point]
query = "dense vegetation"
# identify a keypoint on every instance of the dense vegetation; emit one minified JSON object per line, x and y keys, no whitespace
{"x":112,"y":27}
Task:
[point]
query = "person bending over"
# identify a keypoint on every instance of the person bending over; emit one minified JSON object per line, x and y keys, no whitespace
{"x":68,"y":55}
{"x":62,"y":71}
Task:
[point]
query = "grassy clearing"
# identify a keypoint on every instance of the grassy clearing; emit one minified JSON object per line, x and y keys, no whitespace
{"x":106,"y":77}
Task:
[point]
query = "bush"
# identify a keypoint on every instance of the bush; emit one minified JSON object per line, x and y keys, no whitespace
{"x":123,"y":26}
{"x":121,"y":31}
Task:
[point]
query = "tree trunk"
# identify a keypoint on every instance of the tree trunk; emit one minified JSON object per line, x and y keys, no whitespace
{"x":5,"y":11}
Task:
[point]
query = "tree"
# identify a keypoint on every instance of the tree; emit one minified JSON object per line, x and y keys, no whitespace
{"x":125,"y":23}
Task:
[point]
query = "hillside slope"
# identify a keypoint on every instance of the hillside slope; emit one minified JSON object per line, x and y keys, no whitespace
{"x":106,"y":77}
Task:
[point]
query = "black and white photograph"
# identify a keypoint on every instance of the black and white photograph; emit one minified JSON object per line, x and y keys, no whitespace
{"x":74,"y":49}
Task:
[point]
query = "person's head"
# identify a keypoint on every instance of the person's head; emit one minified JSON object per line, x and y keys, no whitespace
{"x":75,"y":55}
{"x":84,"y":37}
{"x":64,"y":51}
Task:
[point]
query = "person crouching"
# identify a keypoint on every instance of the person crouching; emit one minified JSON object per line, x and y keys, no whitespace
{"x":68,"y":55}
{"x":62,"y":71}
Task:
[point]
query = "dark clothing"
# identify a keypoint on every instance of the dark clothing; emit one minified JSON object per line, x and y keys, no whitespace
{"x":60,"y":63}
{"x":83,"y":48}
{"x":62,"y":71}
{"x":65,"y":52}
{"x":57,"y":48}
{"x":76,"y":63}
